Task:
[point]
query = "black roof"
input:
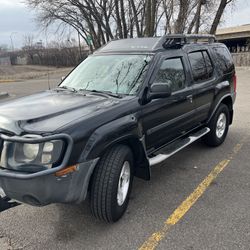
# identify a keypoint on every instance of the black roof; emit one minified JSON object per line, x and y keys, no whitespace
{"x":153,"y":44}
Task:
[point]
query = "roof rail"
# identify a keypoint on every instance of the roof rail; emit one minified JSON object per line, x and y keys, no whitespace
{"x":178,"y":40}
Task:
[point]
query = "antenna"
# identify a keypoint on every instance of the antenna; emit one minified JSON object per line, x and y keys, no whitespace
{"x":48,"y":73}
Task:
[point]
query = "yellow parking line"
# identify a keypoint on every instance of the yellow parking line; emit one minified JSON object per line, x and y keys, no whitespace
{"x":155,"y":238}
{"x":8,"y":80}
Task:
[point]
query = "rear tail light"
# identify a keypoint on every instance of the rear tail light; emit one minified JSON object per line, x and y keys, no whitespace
{"x":235,"y":82}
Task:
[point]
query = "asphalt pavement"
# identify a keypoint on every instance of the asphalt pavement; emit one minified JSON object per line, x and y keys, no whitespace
{"x":218,"y":219}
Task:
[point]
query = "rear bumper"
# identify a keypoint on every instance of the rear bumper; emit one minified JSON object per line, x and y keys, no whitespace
{"x":47,"y":189}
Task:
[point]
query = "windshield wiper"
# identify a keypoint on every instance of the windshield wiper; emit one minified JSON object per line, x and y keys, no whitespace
{"x":102,"y":92}
{"x":66,"y":88}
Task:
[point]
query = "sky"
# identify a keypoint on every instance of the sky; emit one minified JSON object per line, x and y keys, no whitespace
{"x":17,"y":20}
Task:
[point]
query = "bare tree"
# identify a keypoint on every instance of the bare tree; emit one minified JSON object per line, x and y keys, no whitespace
{"x":28,"y":41}
{"x":182,"y":16}
{"x":221,"y":8}
{"x":99,"y":21}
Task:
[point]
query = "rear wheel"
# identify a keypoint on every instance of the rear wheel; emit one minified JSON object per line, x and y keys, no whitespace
{"x":218,"y":127}
{"x":111,"y":184}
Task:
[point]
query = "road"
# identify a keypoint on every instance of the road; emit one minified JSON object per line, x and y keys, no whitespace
{"x":26,"y":87}
{"x":198,"y":199}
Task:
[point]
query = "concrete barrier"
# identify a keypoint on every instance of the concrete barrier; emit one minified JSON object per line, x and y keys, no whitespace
{"x":241,"y":59}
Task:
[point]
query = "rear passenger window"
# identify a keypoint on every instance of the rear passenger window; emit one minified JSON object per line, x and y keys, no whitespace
{"x":172,"y":70}
{"x":198,"y":66}
{"x":224,"y":59}
{"x":209,"y":64}
{"x":202,"y":67}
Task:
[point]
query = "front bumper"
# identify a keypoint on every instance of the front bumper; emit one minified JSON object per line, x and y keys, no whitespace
{"x":47,"y":189}
{"x":44,"y":187}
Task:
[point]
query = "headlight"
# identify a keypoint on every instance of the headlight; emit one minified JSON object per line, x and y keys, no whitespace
{"x":31,"y":151}
{"x":31,"y":157}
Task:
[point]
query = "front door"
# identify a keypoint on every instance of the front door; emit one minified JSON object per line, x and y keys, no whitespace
{"x":166,"y":118}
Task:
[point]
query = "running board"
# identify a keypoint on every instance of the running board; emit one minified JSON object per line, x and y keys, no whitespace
{"x":176,"y":147}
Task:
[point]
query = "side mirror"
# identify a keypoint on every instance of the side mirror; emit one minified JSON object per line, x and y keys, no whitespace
{"x":160,"y":90}
{"x":62,"y":78}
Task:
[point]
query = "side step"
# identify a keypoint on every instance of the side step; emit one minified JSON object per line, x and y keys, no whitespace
{"x":176,"y":147}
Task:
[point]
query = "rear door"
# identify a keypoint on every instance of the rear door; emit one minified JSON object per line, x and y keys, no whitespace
{"x":203,"y":79}
{"x":166,"y":118}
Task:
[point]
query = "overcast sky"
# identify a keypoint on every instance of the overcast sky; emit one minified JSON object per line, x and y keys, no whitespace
{"x":16,"y":20}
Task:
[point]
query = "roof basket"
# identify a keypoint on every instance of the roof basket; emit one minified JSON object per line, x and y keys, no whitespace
{"x":178,"y":40}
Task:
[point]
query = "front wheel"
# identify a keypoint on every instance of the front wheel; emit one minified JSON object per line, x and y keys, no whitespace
{"x":218,"y":125}
{"x":111,"y":184}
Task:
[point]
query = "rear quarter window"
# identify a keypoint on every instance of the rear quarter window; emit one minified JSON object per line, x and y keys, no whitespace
{"x":201,"y":65}
{"x":224,"y":60}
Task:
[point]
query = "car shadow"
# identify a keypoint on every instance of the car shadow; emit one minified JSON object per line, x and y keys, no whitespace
{"x":77,"y":221}
{"x":64,"y":226}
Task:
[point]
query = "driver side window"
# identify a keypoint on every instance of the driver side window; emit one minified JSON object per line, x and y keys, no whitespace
{"x":172,"y":71}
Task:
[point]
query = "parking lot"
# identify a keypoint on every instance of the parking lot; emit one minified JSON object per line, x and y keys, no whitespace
{"x":197,"y":199}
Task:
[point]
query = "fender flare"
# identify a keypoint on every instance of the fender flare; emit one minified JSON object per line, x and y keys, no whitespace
{"x":224,"y":97}
{"x":125,"y":130}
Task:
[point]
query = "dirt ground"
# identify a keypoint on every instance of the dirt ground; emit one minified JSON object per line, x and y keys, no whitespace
{"x":25,"y":72}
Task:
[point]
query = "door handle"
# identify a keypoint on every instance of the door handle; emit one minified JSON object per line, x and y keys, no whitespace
{"x":190,"y":98}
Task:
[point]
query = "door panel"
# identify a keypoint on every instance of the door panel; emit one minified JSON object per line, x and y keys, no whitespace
{"x":164,"y":119}
{"x":203,"y":99}
{"x":204,"y":87}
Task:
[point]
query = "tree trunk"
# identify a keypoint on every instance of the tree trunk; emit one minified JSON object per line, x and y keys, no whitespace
{"x":222,"y":6}
{"x":148,"y":18}
{"x":135,"y":17}
{"x":118,"y":19}
{"x":124,"y":24}
{"x":182,"y":16}
{"x":198,"y":17}
{"x":153,"y":15}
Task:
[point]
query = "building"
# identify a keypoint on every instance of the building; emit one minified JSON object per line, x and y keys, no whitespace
{"x":236,"y":38}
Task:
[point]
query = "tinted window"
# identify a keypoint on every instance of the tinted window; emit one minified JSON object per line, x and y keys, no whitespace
{"x":209,"y":64}
{"x":172,"y":71}
{"x":123,"y":74}
{"x":224,"y":59}
{"x":198,"y":66}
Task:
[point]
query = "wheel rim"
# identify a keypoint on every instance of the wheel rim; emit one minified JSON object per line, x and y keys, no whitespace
{"x":221,"y":125}
{"x":123,"y":185}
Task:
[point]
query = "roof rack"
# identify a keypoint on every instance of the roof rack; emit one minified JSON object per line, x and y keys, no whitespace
{"x":178,"y":40}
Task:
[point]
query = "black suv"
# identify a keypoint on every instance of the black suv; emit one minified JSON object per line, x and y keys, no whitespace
{"x":129,"y":106}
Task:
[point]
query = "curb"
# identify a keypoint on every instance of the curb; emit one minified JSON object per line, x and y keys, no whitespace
{"x":3,"y":95}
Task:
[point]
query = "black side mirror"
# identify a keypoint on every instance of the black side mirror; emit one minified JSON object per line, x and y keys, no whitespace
{"x":160,"y":90}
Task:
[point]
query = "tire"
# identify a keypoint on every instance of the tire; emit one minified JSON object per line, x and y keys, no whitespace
{"x":217,"y":135}
{"x":104,"y":201}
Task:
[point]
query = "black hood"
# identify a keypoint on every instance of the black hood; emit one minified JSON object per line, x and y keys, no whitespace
{"x":50,"y":110}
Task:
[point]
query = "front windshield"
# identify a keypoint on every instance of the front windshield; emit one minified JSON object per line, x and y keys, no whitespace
{"x":119,"y":74}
